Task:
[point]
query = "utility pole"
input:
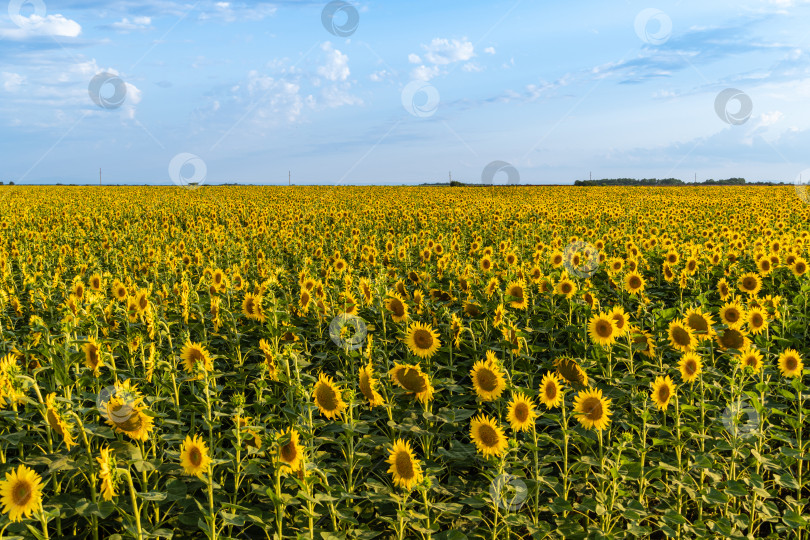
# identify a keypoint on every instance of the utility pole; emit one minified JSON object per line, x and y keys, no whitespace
{"x":99,"y":177}
{"x":450,"y":176}
{"x":590,"y":176}
{"x":289,"y":177}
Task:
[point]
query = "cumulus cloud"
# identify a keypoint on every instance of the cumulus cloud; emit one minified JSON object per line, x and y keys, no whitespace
{"x":38,"y":26}
{"x":337,"y":64}
{"x":439,"y":53}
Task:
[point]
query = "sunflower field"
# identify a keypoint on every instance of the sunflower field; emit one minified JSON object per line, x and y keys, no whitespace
{"x":393,"y":362}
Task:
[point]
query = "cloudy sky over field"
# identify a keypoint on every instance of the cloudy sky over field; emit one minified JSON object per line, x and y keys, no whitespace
{"x":402,"y":92}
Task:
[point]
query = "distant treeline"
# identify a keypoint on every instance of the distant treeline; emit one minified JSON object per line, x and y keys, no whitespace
{"x":669,"y":182}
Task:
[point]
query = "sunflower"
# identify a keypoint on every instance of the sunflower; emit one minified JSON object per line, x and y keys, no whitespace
{"x":602,"y":329}
{"x":422,"y":340}
{"x":124,"y":412}
{"x":699,"y":321}
{"x":456,"y":328}
{"x":411,"y":379}
{"x":644,"y":342}
{"x":764,"y":265}
{"x":194,"y":456}
{"x":551,"y":394}
{"x":732,"y":314}
{"x":634,"y":283}
{"x":193,"y":354}
{"x":733,"y":338}
{"x":252,"y":307}
{"x":592,"y":409}
{"x":799,"y":267}
{"x":521,"y":412}
{"x":723,"y":289}
{"x":487,"y":378}
{"x":620,"y":320}
{"x":107,"y":473}
{"x":751,"y":358}
{"x":397,"y":307}
{"x":290,"y":453}
{"x":565,"y":287}
{"x":21,"y":493}
{"x":405,"y":469}
{"x":92,"y":356}
{"x":327,"y":397}
{"x":681,"y":336}
{"x":142,"y":301}
{"x":517,"y":290}
{"x":269,"y":359}
{"x":662,"y":391}
{"x":57,"y":421}
{"x":569,"y":370}
{"x":95,"y":282}
{"x":750,"y":283}
{"x":757,"y":319}
{"x":488,"y":436}
{"x":790,"y":363}
{"x":690,"y":366}
{"x":304,"y":300}
{"x":368,"y":384}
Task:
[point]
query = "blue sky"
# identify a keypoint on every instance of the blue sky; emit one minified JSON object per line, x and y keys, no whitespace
{"x":246,"y":91}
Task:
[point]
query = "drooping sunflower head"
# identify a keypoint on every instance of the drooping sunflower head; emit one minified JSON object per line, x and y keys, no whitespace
{"x":569,"y":370}
{"x":690,"y":366}
{"x":422,"y":340}
{"x":405,"y":469}
{"x":92,"y":356}
{"x":551,"y":390}
{"x":194,"y":456}
{"x":20,"y":493}
{"x":368,"y":386}
{"x":487,"y":378}
{"x":488,"y":436}
{"x":663,"y":388}
{"x":644,"y":342}
{"x":327,"y":396}
{"x":411,"y":379}
{"x":57,"y":421}
{"x":108,"y":473}
{"x":790,"y":363}
{"x":592,"y":409}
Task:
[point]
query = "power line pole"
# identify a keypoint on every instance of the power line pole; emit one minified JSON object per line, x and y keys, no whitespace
{"x":289,"y":178}
{"x":99,"y":177}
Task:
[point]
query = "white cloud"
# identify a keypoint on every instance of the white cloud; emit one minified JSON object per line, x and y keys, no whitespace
{"x":472,"y":67}
{"x":11,"y":81}
{"x":490,"y":50}
{"x":232,"y":12}
{"x":379,"y":76}
{"x":770,"y":118}
{"x":36,"y":26}
{"x":337,"y":64}
{"x":441,"y":52}
{"x":425,"y":73}
{"x":129,"y":25}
